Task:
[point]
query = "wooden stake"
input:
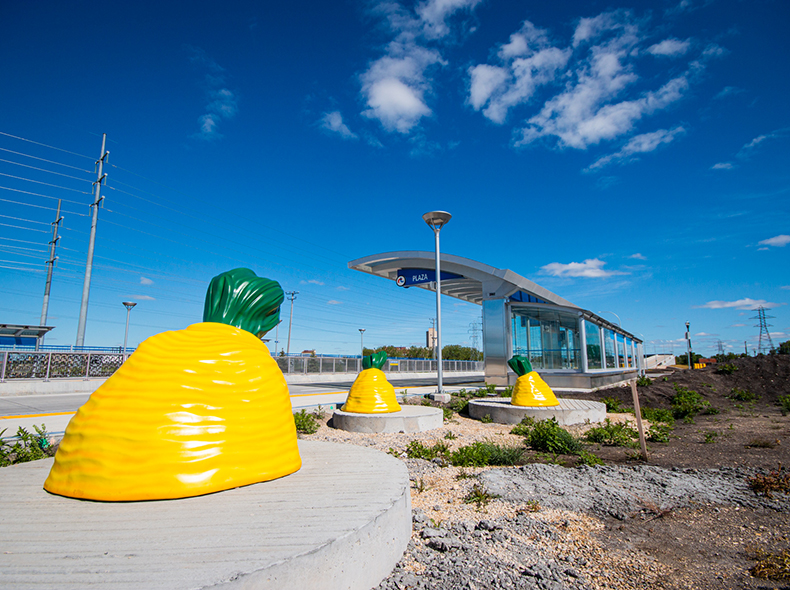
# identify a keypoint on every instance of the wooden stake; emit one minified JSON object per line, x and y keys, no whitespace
{"x":639,"y":426}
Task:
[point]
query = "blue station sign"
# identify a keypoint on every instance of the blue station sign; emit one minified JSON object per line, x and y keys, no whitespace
{"x":408,"y":277}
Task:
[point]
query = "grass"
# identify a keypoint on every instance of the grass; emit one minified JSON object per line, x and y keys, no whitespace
{"x":305,"y":423}
{"x":27,"y":446}
{"x":784,"y":404}
{"x":479,"y":496}
{"x":482,"y":453}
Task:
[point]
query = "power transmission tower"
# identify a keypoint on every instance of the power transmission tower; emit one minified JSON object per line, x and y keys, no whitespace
{"x":51,"y":264}
{"x":291,"y":295}
{"x":474,"y":332}
{"x":86,"y":285}
{"x":765,"y":335}
{"x":720,"y":344}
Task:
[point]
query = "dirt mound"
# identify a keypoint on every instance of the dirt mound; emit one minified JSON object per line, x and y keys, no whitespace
{"x":768,"y":377}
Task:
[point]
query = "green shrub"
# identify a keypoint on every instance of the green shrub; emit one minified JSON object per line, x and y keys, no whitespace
{"x":26,"y":447}
{"x":460,"y":405}
{"x":619,"y":434}
{"x":726,"y":369}
{"x":742,"y":395}
{"x":417,"y":450}
{"x":523,"y":428}
{"x":655,"y":415}
{"x":687,"y":403}
{"x":305,"y":423}
{"x":643,"y":381}
{"x":587,"y":458}
{"x":784,"y":404}
{"x":508,"y":392}
{"x":658,"y":433}
{"x":549,"y":437}
{"x":486,"y":419}
{"x":614,"y":405}
{"x":448,"y":414}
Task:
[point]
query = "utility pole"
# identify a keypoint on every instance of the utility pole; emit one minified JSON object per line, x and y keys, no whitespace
{"x":688,"y":348}
{"x":86,"y":285}
{"x":51,"y":264}
{"x":361,"y":342}
{"x":291,"y":296}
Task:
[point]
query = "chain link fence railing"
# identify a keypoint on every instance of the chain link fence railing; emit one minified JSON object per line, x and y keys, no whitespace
{"x":87,"y":365}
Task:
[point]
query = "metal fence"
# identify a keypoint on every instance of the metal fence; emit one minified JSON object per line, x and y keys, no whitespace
{"x":87,"y":365}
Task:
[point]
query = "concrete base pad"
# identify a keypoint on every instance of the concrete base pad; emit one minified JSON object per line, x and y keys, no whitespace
{"x":342,"y":521}
{"x":570,"y":411}
{"x":409,"y":419}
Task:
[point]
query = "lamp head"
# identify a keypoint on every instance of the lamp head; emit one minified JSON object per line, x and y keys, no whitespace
{"x":129,"y":304}
{"x":436,"y":219}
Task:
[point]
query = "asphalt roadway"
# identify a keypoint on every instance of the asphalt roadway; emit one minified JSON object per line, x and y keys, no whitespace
{"x":55,"y":410}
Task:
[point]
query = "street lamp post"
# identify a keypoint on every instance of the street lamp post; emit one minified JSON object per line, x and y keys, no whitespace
{"x":688,"y":348}
{"x":128,"y":305}
{"x":619,"y":323}
{"x":361,"y":342}
{"x":435,"y":220}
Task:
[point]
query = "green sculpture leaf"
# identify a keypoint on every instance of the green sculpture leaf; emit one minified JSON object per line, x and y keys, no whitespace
{"x":240,"y":298}
{"x":375,"y":360}
{"x":520,"y":365}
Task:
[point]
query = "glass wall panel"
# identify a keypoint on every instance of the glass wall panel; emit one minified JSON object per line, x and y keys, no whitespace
{"x":593,"y":335}
{"x":609,"y":349}
{"x":620,"y":351}
{"x":547,"y":337}
{"x":629,"y":352}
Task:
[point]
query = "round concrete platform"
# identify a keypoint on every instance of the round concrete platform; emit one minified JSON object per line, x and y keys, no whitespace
{"x":342,"y":521}
{"x":570,"y":411}
{"x":409,"y":419}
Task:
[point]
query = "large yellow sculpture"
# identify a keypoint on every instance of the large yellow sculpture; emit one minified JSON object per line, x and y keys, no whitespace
{"x":530,"y":389}
{"x":191,"y":412}
{"x":371,"y":393}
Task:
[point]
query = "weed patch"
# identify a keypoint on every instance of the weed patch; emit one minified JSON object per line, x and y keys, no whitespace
{"x":777,"y":480}
{"x":784,"y":404}
{"x":27,"y":446}
{"x":643,"y":381}
{"x":655,"y":415}
{"x":742,"y":395}
{"x":305,"y":423}
{"x":772,"y":566}
{"x":619,"y":434}
{"x":482,"y":453}
{"x":726,"y":369}
{"x":479,"y":496}
{"x":614,"y":405}
{"x":549,"y":437}
{"x":687,"y":403}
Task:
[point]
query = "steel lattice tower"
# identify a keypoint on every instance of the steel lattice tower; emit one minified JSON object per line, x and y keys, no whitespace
{"x":765,"y":335}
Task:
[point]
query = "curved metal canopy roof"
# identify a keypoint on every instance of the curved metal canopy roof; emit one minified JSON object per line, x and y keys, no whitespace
{"x":476,"y":281}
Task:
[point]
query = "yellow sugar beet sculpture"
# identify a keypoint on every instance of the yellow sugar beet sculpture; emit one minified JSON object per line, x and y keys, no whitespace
{"x":371,"y":393}
{"x":530,"y":390}
{"x":191,"y":412}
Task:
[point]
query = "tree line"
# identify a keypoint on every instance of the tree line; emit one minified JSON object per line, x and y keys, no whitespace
{"x":451,"y":352}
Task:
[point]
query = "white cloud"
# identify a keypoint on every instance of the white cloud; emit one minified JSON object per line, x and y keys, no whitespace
{"x":334,"y":302}
{"x":395,"y":86}
{"x":727,"y":91}
{"x":333,"y":122}
{"x":704,"y":334}
{"x":639,"y":144}
{"x":143,"y":297}
{"x":785,"y":287}
{"x":750,"y":148}
{"x":222,"y":102}
{"x":738,"y":326}
{"x":670,"y":47}
{"x":779,"y":241}
{"x":145,"y":281}
{"x":342,"y":288}
{"x":722,"y":166}
{"x":746,"y":303}
{"x":638,"y":256}
{"x":311,"y":282}
{"x":590,"y":268}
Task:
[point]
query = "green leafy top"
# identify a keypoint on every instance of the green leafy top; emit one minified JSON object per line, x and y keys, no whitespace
{"x":240,"y":298}
{"x":520,"y":364}
{"x":375,"y":360}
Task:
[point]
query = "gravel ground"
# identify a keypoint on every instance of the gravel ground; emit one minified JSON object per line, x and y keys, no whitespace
{"x":550,"y":527}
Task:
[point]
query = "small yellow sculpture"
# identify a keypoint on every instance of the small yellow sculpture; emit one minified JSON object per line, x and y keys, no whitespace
{"x":191,"y":412}
{"x":371,"y":393}
{"x":530,"y":390}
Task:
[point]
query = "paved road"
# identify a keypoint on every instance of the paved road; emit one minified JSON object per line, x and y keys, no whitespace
{"x":55,"y":410}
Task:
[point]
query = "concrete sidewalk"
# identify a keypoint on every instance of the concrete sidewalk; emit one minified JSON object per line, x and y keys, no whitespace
{"x":341,"y":522}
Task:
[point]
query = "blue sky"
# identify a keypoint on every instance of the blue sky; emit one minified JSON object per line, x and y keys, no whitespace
{"x":630,"y":157}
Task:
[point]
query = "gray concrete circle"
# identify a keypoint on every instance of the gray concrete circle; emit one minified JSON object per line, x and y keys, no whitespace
{"x":341,"y":522}
{"x":569,"y":412}
{"x":410,"y":419}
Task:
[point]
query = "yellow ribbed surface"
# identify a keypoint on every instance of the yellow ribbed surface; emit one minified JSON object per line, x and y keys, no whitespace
{"x":532,"y":391}
{"x":371,"y":393}
{"x":191,"y":412}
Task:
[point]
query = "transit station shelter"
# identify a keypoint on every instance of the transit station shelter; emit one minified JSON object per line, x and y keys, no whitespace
{"x":569,"y":346}
{"x":15,"y":335}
